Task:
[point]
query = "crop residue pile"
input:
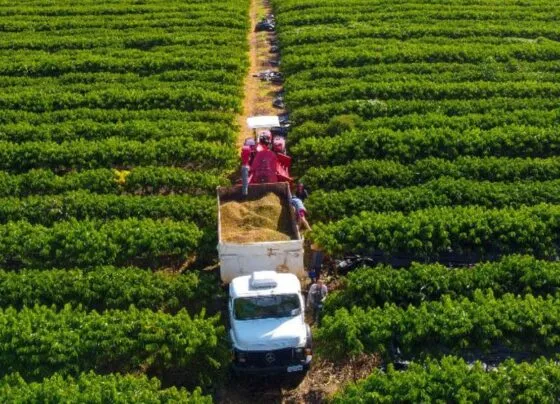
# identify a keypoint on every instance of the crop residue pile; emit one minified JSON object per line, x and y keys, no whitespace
{"x":249,"y":221}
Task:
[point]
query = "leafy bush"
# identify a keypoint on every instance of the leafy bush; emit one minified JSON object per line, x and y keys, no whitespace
{"x":37,"y":342}
{"x":409,"y":146}
{"x":93,"y":388}
{"x":371,"y":287}
{"x":82,"y":205}
{"x":388,"y":173}
{"x":104,"y":288}
{"x":92,"y":243}
{"x":115,"y":152}
{"x":526,"y":323}
{"x":139,"y":180}
{"x":426,"y":234}
{"x":453,"y":380}
{"x":327,"y":206}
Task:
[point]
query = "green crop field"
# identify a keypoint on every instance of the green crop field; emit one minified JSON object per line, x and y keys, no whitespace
{"x":428,"y":131}
{"x":118,"y":119}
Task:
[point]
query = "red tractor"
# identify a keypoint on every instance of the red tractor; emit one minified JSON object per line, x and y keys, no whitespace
{"x":263,"y":157}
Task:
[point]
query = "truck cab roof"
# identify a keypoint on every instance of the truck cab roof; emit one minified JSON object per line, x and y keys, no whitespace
{"x":262,"y":283}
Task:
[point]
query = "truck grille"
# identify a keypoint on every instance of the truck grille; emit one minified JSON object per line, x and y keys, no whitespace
{"x":278,"y":357}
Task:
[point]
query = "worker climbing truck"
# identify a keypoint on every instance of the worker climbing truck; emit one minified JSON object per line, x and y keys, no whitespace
{"x":261,"y":258}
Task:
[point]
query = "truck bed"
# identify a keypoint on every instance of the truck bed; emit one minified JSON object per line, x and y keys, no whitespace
{"x":279,"y":248}
{"x":255,"y":219}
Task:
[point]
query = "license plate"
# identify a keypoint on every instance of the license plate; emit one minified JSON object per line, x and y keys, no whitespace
{"x":295,"y":368}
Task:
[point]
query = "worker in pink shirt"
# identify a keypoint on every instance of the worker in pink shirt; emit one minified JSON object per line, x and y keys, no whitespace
{"x":300,"y":213}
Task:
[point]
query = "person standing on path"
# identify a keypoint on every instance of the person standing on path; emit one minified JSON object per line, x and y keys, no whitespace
{"x":316,"y":264}
{"x":315,"y":298}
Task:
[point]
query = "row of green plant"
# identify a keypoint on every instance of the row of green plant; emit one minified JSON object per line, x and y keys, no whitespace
{"x":65,"y":22}
{"x":42,"y":63}
{"x":372,"y":287}
{"x":522,"y":323}
{"x":115,"y":152}
{"x":388,"y":173}
{"x":374,"y":108}
{"x":142,"y":37}
{"x":411,"y":145}
{"x":94,"y":83}
{"x":142,"y":130}
{"x":69,"y":244}
{"x":484,"y":121}
{"x":438,"y":42}
{"x":431,"y":12}
{"x":488,"y":76}
{"x":503,"y":30}
{"x":114,"y":116}
{"x":124,"y":10}
{"x":83,"y":205}
{"x":329,"y":206}
{"x":341,"y":90}
{"x":104,"y":288}
{"x":139,"y":180}
{"x":120,"y":97}
{"x":128,"y":53}
{"x":214,"y":79}
{"x":93,"y":388}
{"x":453,"y":380}
{"x":459,"y":32}
{"x":427,"y":234}
{"x":40,"y":341}
{"x":352,"y":5}
{"x":405,"y":52}
{"x":512,"y":69}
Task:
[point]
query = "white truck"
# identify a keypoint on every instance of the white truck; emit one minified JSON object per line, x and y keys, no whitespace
{"x":266,"y":307}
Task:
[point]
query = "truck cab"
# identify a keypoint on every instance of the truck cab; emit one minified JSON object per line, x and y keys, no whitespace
{"x":268,"y":330}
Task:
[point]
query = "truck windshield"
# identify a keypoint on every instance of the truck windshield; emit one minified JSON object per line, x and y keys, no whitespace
{"x":251,"y":308}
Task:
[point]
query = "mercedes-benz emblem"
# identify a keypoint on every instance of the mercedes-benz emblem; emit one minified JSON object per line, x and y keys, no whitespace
{"x":269,"y":357}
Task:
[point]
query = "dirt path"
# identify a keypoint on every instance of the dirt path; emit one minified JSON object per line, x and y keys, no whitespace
{"x":322,"y":381}
{"x":324,"y":378}
{"x":258,"y":95}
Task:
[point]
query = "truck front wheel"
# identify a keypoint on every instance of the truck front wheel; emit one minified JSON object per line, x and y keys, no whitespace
{"x":295,"y":379}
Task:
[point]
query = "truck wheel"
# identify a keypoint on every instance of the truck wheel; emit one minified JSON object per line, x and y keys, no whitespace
{"x":294,"y":380}
{"x":234,"y":374}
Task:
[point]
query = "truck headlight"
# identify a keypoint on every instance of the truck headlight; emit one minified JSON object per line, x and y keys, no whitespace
{"x":241,"y":357}
{"x":299,"y":353}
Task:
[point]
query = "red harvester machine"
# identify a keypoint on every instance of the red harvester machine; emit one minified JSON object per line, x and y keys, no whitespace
{"x":263,"y":157}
